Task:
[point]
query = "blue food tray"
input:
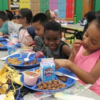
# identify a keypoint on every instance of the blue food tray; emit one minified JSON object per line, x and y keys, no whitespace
{"x":5,"y":45}
{"x":2,"y":39}
{"x":69,"y":82}
{"x":18,"y":44}
{"x":31,"y":58}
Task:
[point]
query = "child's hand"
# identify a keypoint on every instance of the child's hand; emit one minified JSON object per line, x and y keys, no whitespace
{"x":76,"y":46}
{"x":5,"y":36}
{"x":32,"y":44}
{"x":62,"y":63}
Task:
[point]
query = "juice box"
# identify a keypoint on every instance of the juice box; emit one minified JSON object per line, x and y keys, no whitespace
{"x":47,"y":69}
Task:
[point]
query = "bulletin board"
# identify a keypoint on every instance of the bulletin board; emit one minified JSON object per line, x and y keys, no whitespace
{"x":63,"y":8}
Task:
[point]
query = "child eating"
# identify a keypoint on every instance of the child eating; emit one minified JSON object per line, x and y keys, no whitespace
{"x":39,"y":21}
{"x":84,"y":60}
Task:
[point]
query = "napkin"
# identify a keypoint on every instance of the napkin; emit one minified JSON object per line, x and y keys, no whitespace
{"x":70,"y":97}
{"x":2,"y":97}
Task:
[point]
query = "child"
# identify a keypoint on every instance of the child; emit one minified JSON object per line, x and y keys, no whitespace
{"x":5,"y":29}
{"x":50,"y":15}
{"x":39,"y":21}
{"x":86,"y":57}
{"x":9,"y":14}
{"x":26,"y":32}
{"x":52,"y":36}
{"x":83,"y":21}
{"x":90,"y":16}
{"x":11,"y":25}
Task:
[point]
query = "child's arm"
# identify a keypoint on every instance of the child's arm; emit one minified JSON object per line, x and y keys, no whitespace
{"x":88,"y":78}
{"x":75,"y":48}
{"x":66,"y":50}
{"x":1,"y":34}
{"x":3,"y":31}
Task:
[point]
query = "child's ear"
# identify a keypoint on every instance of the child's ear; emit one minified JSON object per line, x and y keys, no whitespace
{"x":25,"y":20}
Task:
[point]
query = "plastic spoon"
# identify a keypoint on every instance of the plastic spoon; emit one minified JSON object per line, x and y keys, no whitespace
{"x":61,"y":74}
{"x":27,"y":59}
{"x":7,"y":40}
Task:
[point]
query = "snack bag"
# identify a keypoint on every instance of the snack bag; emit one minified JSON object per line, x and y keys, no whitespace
{"x":47,"y":69}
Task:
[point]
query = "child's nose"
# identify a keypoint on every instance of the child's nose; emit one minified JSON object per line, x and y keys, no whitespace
{"x":36,"y":31}
{"x":51,"y":42}
{"x":87,"y":41}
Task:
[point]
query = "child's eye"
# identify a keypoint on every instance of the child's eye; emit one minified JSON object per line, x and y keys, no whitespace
{"x":56,"y":39}
{"x":93,"y":43}
{"x":86,"y":35}
{"x":38,"y":29}
{"x":47,"y":39}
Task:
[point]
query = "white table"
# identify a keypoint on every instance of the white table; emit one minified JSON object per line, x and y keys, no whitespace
{"x":86,"y":93}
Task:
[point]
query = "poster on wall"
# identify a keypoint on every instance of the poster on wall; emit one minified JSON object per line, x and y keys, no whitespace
{"x":14,"y":6}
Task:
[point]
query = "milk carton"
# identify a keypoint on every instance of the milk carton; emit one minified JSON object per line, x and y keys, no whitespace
{"x":47,"y":68}
{"x":11,"y":48}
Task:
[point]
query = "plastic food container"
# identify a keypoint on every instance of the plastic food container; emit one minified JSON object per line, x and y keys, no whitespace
{"x":30,"y":77}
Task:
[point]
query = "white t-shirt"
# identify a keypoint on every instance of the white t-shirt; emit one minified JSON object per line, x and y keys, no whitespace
{"x":12,"y":27}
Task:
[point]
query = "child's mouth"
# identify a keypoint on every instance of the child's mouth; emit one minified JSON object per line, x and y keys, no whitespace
{"x":85,"y":46}
{"x":52,"y":47}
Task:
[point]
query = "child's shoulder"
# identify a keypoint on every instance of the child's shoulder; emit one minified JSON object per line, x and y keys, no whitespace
{"x":38,"y":40}
{"x":65,"y":49}
{"x":30,"y":28}
{"x":20,"y":28}
{"x":62,"y":43}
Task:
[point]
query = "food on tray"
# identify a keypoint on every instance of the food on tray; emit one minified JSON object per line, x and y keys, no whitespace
{"x":30,"y":78}
{"x":1,"y":45}
{"x":62,"y":78}
{"x":14,"y":61}
{"x":31,"y":73}
{"x":51,"y":85}
{"x":39,"y":54}
{"x":38,"y":70}
{"x":31,"y":63}
{"x":28,"y":48}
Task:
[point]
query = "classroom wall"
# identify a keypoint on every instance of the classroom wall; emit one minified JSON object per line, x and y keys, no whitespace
{"x":3,"y":4}
{"x":78,"y":9}
{"x":96,"y":5}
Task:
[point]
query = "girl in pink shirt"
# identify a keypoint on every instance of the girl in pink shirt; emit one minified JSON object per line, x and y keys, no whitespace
{"x":84,"y":60}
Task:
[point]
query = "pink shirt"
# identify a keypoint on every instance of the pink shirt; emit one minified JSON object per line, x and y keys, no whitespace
{"x":87,"y":63}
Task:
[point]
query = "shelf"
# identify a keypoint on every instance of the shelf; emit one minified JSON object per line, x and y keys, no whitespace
{"x":14,"y":2}
{"x":14,"y":10}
